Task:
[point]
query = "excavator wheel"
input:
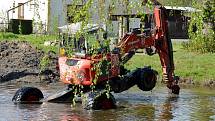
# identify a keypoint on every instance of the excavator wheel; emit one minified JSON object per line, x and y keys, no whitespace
{"x":27,"y":95}
{"x":98,"y":101}
{"x":147,"y":80}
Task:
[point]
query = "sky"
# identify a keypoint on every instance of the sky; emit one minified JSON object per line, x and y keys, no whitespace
{"x":5,"y":4}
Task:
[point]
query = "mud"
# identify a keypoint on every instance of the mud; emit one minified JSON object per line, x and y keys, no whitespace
{"x":19,"y":61}
{"x":191,"y":82}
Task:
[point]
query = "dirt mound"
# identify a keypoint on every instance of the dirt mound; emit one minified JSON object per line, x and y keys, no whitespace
{"x":20,"y":61}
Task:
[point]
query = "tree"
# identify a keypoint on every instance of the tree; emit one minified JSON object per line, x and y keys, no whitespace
{"x":201,"y":28}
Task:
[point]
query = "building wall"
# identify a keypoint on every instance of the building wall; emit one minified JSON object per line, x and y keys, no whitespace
{"x":178,"y":25}
{"x":40,"y":14}
{"x":36,"y":10}
{"x":57,"y":14}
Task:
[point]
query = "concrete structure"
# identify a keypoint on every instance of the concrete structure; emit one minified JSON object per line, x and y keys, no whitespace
{"x":57,"y":14}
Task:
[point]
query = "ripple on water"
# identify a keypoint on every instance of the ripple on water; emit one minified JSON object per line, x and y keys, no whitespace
{"x":132,"y":105}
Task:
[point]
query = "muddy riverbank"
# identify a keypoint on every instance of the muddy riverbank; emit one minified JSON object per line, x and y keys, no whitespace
{"x":192,"y":83}
{"x":19,"y":61}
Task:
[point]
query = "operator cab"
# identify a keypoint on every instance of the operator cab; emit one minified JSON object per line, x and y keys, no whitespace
{"x":82,"y":44}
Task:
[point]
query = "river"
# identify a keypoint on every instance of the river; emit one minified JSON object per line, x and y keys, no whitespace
{"x":195,"y":104}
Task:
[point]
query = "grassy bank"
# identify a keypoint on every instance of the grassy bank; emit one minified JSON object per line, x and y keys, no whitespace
{"x":35,"y":40}
{"x":188,"y":65}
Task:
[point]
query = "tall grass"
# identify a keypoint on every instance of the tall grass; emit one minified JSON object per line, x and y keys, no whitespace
{"x":35,"y":40}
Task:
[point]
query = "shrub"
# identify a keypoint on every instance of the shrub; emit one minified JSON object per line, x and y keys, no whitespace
{"x":201,"y":28}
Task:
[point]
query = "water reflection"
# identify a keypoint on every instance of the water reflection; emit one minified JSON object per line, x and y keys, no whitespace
{"x":30,"y":107}
{"x":204,"y":109}
{"x":168,"y":107}
{"x":72,"y":117}
{"x":132,"y":106}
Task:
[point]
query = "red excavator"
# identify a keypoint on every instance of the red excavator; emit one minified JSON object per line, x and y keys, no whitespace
{"x":95,"y":76}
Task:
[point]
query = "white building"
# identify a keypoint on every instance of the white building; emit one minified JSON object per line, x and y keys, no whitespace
{"x":46,"y":14}
{"x":35,"y":10}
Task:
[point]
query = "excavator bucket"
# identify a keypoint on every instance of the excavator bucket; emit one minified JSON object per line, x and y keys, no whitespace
{"x":63,"y":96}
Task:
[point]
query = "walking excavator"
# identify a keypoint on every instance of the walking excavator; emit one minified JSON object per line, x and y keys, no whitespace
{"x":92,"y":78}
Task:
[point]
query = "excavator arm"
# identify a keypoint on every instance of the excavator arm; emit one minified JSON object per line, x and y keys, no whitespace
{"x":164,"y":49}
{"x":156,"y":37}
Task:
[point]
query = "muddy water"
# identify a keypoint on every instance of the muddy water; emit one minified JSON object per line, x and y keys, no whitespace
{"x":133,"y":105}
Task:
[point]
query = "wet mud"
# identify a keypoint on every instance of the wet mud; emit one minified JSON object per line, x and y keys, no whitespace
{"x":191,"y":82}
{"x":19,"y":61}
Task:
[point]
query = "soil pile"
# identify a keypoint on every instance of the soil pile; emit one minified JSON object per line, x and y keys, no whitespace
{"x":21,"y":62}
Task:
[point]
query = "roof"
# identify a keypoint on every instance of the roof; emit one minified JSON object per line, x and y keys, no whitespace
{"x":132,"y":12}
{"x":77,"y":27}
{"x":188,"y":9}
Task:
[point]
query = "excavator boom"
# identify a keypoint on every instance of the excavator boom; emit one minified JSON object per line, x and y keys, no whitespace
{"x":156,"y":37}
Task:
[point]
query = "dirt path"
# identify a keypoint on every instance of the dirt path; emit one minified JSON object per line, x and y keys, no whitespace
{"x":19,"y":61}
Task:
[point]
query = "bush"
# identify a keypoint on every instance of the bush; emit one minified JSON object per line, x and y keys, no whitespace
{"x":201,"y":28}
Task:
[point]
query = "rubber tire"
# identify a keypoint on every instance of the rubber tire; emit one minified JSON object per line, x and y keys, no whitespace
{"x":98,"y":101}
{"x":123,"y":70}
{"x":148,"y":79}
{"x":27,"y":95}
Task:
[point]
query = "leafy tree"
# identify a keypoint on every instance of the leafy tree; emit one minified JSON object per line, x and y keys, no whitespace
{"x":209,"y":12}
{"x":201,"y":28}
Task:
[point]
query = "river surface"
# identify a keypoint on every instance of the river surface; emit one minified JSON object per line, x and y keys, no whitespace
{"x":133,"y":105}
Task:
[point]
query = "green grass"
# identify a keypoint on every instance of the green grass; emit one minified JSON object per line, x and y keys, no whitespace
{"x":35,"y":40}
{"x":199,"y":67}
